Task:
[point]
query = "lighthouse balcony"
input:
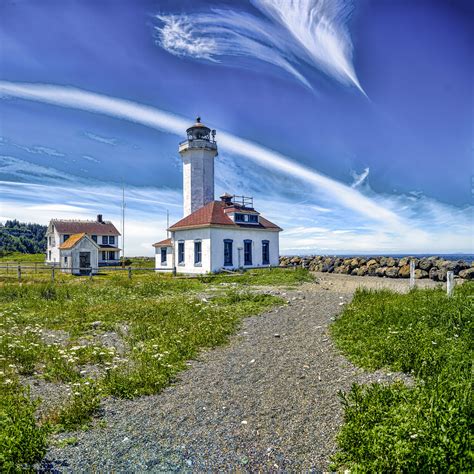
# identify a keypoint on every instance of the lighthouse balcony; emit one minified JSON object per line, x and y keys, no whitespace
{"x":197,"y":144}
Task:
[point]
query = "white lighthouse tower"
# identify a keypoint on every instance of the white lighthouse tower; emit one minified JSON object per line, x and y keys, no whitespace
{"x":198,"y":153}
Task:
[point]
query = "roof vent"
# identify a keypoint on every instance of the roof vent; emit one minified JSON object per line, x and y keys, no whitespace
{"x":99,"y":218}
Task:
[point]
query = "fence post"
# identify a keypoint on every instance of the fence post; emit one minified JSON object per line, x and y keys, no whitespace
{"x":52,"y":273}
{"x":412,"y":274}
{"x":90,"y":274}
{"x":19,"y":272}
{"x":174,"y":271}
{"x":450,"y":283}
{"x":130,"y":273}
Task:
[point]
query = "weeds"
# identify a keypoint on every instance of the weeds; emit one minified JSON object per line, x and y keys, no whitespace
{"x":427,"y":427}
{"x":135,"y":334}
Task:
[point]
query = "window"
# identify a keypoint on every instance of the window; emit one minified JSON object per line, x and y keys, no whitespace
{"x":181,"y":253}
{"x":112,"y":239}
{"x":197,"y":252}
{"x":265,"y":252}
{"x":50,"y":239}
{"x":65,"y":260}
{"x":227,"y":252}
{"x":49,"y":255}
{"x":111,"y":255}
{"x":65,"y":237}
{"x":164,"y":255}
{"x":94,"y":238}
{"x":247,"y":218}
{"x":105,"y":239}
{"x":247,"y":252}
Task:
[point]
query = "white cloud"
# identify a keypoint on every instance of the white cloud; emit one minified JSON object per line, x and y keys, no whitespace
{"x":294,"y":32}
{"x":359,"y":178}
{"x":161,"y":120}
{"x":101,"y":139}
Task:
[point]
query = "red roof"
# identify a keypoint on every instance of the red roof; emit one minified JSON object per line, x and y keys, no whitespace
{"x":214,"y":213}
{"x":163,"y":243}
{"x":88,"y":227}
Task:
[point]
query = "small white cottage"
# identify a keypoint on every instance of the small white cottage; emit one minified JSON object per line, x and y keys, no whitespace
{"x":214,"y":235}
{"x":81,"y":244}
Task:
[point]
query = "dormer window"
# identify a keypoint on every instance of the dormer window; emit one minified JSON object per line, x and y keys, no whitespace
{"x":246,"y":218}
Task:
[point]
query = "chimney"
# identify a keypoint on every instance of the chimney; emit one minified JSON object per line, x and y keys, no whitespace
{"x":99,"y":218}
{"x":227,"y":199}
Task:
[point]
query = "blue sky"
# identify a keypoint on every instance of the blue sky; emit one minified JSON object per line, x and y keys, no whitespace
{"x":349,"y":123}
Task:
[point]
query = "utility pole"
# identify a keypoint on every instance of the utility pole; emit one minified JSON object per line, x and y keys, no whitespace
{"x":167,"y":223}
{"x":123,"y":224}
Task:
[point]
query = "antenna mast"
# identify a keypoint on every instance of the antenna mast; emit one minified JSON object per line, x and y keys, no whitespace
{"x":167,"y":223}
{"x":123,"y":223}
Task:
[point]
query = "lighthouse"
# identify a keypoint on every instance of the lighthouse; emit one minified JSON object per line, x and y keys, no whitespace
{"x":198,"y":153}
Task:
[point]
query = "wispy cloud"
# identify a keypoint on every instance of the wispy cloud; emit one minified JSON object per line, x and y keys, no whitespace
{"x":101,"y":139}
{"x":333,"y":190}
{"x":319,"y":214}
{"x":35,"y":149}
{"x":359,"y":178}
{"x":293,"y":32}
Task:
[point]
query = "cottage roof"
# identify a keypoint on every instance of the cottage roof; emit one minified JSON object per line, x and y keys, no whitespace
{"x":163,"y":243}
{"x":73,"y":240}
{"x":214,"y":213}
{"x":87,"y":227}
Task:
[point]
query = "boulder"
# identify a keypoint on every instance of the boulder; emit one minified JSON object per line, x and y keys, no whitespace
{"x":467,"y":274}
{"x":380,"y":271}
{"x":391,"y":262}
{"x":425,"y":264}
{"x":371,"y":270}
{"x":354,"y":271}
{"x":391,"y":272}
{"x":362,"y":271}
{"x":403,"y":261}
{"x":438,"y":274}
{"x":404,"y":271}
{"x":372,"y":262}
{"x":354,"y":262}
{"x":383,"y":261}
{"x":421,"y":274}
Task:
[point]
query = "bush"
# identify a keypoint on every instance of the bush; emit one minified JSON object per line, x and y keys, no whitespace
{"x":427,"y":427}
{"x":23,"y":442}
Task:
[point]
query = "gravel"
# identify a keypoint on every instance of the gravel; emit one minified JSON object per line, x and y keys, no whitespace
{"x":266,"y":401}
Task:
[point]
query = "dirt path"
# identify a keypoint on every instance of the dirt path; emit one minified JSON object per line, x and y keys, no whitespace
{"x":266,"y":401}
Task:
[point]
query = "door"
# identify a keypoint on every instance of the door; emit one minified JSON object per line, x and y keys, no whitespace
{"x":85,"y":262}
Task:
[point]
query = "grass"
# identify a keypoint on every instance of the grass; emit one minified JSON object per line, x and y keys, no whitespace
{"x":18,"y":257}
{"x":426,"y":427}
{"x":111,"y":336}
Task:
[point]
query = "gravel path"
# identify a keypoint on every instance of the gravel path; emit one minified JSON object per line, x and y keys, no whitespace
{"x":266,"y":401}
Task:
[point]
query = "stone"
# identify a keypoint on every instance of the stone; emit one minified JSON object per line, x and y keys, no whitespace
{"x":372,"y":262}
{"x":383,"y":261}
{"x":391,"y":262}
{"x":362,"y":271}
{"x":403,"y":261}
{"x":438,"y":274}
{"x":421,"y":274}
{"x":467,"y":274}
{"x":404,"y":271}
{"x":380,"y":271}
{"x":354,"y":262}
{"x":391,"y":272}
{"x":425,"y":264}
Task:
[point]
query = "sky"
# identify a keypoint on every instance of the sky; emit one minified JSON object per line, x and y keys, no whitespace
{"x":350,"y":123}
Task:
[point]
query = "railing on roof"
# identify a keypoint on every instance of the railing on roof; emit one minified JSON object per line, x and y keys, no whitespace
{"x":244,"y":201}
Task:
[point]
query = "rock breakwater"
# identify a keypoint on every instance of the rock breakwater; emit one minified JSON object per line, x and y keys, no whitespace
{"x":435,"y":268}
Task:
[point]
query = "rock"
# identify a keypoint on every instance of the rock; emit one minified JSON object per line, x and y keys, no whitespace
{"x":354,"y":262}
{"x":355,"y":271}
{"x":276,"y":335}
{"x":380,"y":272}
{"x":403,"y":261}
{"x":383,"y":261}
{"x":467,"y":274}
{"x":438,"y":274}
{"x":391,"y":262}
{"x":372,"y":262}
{"x":425,"y":264}
{"x":96,"y":324}
{"x":362,"y":271}
{"x":421,"y":274}
{"x":392,"y":272}
{"x":404,"y":271}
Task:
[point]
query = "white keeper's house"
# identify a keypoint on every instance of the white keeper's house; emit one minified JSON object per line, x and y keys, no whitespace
{"x":214,"y":235}
{"x":80,"y":246}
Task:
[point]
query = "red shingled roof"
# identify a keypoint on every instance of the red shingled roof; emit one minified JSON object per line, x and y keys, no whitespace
{"x":88,"y":227}
{"x":213,"y":214}
{"x":163,"y":243}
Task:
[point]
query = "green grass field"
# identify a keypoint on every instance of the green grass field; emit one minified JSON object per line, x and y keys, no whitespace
{"x":18,"y":257}
{"x":426,"y":427}
{"x":109,"y":336}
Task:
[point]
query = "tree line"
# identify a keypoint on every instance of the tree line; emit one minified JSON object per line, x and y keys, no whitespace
{"x":22,"y":237}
